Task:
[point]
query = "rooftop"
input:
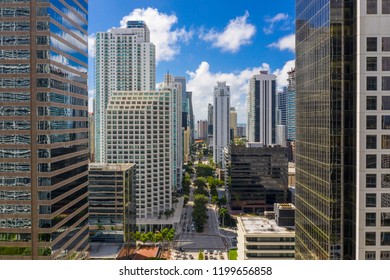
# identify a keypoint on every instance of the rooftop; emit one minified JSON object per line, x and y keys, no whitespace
{"x":111,"y":166}
{"x":254,"y":225}
{"x":285,"y":206}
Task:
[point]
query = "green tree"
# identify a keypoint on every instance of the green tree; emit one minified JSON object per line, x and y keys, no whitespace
{"x":222,"y":202}
{"x":200,"y":182}
{"x":201,"y":256}
{"x":144,"y":237}
{"x":223,"y":213}
{"x":186,"y":199}
{"x":158,"y":237}
{"x":203,"y":170}
{"x":150,"y":236}
{"x":199,"y":212}
{"x":170,"y":237}
{"x":164,"y":233}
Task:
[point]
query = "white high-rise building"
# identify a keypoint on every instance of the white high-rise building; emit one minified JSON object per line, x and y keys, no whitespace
{"x":140,"y":129}
{"x":261,"y":109}
{"x":221,"y":122}
{"x":176,"y":87}
{"x":125,"y":61}
{"x":373,"y":130}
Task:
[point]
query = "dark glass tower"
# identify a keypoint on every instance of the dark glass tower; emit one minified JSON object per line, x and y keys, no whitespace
{"x":325,"y":129}
{"x":43,"y":129}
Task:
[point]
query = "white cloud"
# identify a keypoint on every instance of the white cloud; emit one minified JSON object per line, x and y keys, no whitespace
{"x":282,"y":75}
{"x":236,"y":34}
{"x":272,"y":21}
{"x":285,"y":43}
{"x":202,"y":83}
{"x":92,"y":45}
{"x":166,"y":39}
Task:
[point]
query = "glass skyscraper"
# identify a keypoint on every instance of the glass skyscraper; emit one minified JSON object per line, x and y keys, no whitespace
{"x":43,"y":129}
{"x":342,"y":129}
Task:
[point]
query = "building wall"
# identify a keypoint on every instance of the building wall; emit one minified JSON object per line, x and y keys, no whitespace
{"x":141,"y":131}
{"x":291,"y":106}
{"x":233,"y":121}
{"x":125,"y":60}
{"x":258,"y":178}
{"x":221,"y":125}
{"x":325,"y":130}
{"x":261,"y":109}
{"x":373,"y":142}
{"x":112,"y":201}
{"x":43,"y":130}
{"x":264,"y":246}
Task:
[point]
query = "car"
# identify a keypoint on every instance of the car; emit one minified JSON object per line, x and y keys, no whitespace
{"x":191,"y":256}
{"x":205,"y":252}
{"x":206,"y":257}
{"x":215,"y":252}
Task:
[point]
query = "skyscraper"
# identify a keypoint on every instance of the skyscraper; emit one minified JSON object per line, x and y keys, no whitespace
{"x":342,"y":102}
{"x":125,"y":61}
{"x":233,"y":121}
{"x":191,"y":116}
{"x":202,"y":129}
{"x":291,"y":106}
{"x":43,"y":130}
{"x":221,"y":125}
{"x":261,"y":109}
{"x":141,"y":130}
{"x":171,"y":84}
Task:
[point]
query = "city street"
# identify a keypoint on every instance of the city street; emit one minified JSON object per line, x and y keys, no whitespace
{"x":188,"y":239}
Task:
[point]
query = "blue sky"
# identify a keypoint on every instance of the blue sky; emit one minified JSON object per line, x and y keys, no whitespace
{"x":208,"y":41}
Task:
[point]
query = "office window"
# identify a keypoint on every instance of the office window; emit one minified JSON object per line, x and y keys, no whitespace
{"x":371,"y":64}
{"x":385,"y":238}
{"x":385,"y":83}
{"x":370,"y":255}
{"x":385,"y":200}
{"x":370,"y":238}
{"x":385,"y":219}
{"x":372,"y":7}
{"x":385,"y":44}
{"x":371,"y":122}
{"x":385,"y":182}
{"x":385,"y":122}
{"x":385,"y":6}
{"x":371,"y":83}
{"x":370,"y":141}
{"x":370,"y":180}
{"x":372,"y":44}
{"x":385,"y":102}
{"x":385,"y":141}
{"x":371,"y":102}
{"x":370,"y":219}
{"x":385,"y":255}
{"x":385,"y":161}
{"x":386,"y":63}
{"x":371,"y":200}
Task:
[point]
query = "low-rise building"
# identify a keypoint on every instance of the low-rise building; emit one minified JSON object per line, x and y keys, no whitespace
{"x":111,"y":201}
{"x":261,"y":238}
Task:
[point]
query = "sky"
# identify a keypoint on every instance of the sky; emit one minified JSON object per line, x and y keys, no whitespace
{"x":207,"y":41}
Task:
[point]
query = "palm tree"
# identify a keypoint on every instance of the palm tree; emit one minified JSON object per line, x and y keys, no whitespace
{"x":222,"y":213}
